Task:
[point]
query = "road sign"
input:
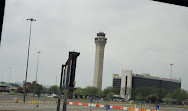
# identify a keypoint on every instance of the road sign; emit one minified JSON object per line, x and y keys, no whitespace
{"x":107,"y":106}
{"x":156,"y":107}
{"x":91,"y":100}
{"x":38,"y":96}
{"x":141,"y":102}
{"x":150,"y":102}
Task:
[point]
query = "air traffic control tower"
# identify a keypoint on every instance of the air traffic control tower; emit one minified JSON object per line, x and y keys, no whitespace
{"x":100,"y":42}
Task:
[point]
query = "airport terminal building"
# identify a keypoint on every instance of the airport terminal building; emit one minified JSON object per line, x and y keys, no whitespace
{"x":129,"y":81}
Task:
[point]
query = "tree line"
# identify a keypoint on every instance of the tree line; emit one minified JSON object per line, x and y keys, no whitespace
{"x":89,"y":91}
{"x":38,"y":89}
{"x":153,"y":94}
{"x":147,"y":94}
{"x":93,"y":92}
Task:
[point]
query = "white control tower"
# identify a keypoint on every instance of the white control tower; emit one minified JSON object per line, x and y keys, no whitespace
{"x":100,"y":42}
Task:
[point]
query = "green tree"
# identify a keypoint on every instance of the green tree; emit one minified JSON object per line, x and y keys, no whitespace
{"x":99,"y":93}
{"x":45,"y":90}
{"x":38,"y":90}
{"x":149,"y":93}
{"x":110,"y":89}
{"x":109,"y":92}
{"x":110,"y":95}
{"x":54,"y":89}
{"x":179,"y":95}
{"x":151,"y":98}
{"x":91,"y":91}
{"x":31,"y":86}
{"x":78,"y":92}
{"x":139,"y":97}
{"x":141,"y":91}
{"x":19,"y":90}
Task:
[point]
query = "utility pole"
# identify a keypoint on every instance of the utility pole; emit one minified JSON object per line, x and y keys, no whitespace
{"x":25,"y":82}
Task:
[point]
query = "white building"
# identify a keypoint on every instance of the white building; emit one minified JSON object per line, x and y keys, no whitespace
{"x":130,"y":81}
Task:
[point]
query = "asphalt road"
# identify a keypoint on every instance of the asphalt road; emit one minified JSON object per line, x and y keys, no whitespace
{"x":44,"y":107}
{"x":7,"y":97}
{"x":49,"y":104}
{"x":52,"y":107}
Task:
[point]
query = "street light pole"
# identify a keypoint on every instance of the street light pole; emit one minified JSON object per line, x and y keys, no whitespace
{"x":2,"y":75}
{"x":25,"y":82}
{"x":171,"y":80}
{"x":37,"y":71}
{"x":9,"y":75}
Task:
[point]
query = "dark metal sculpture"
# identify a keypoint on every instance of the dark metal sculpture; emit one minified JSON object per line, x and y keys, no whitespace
{"x":2,"y":9}
{"x":67,"y":78}
{"x":175,"y":2}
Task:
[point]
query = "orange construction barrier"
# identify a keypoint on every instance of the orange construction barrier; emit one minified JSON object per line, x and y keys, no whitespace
{"x":115,"y":107}
{"x":131,"y":109}
{"x":84,"y":104}
{"x":97,"y":105}
{"x":75,"y":103}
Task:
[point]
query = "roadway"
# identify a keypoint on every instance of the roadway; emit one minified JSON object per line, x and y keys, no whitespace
{"x":49,"y":104}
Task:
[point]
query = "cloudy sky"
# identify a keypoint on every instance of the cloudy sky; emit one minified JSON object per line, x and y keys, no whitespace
{"x":143,"y":36}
